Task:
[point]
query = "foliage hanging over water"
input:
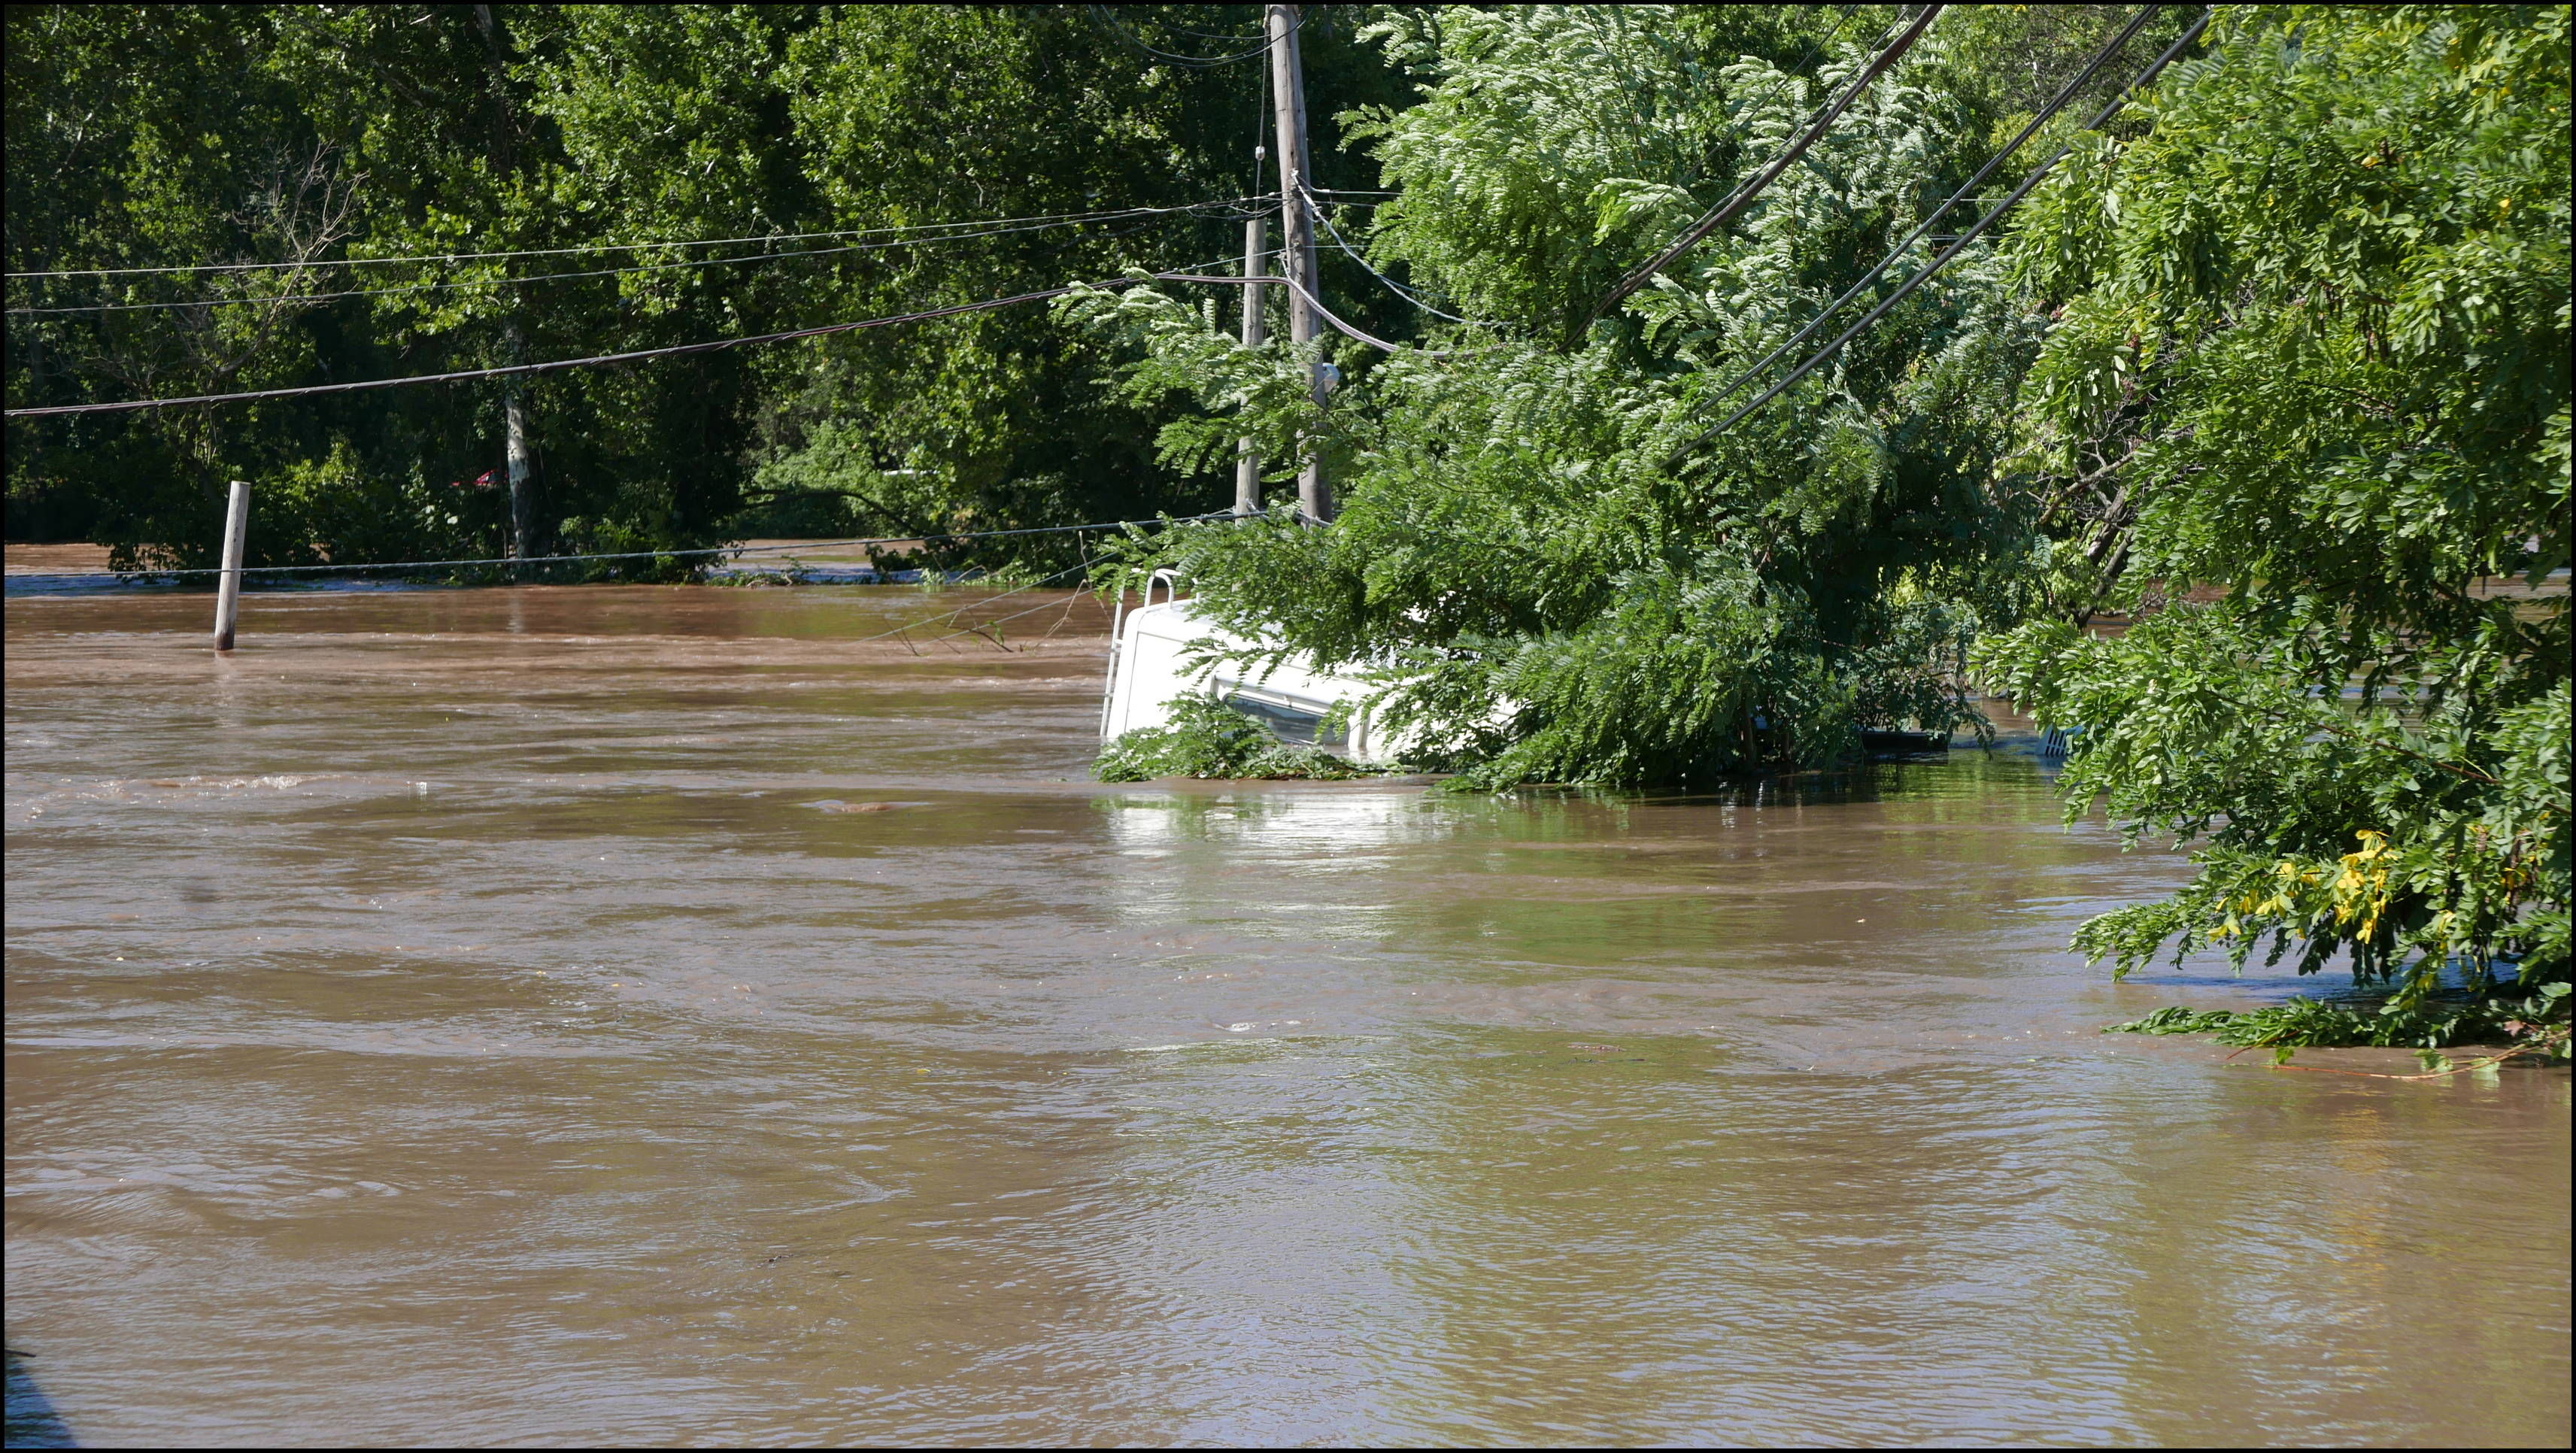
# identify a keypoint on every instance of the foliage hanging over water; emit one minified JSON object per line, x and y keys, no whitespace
{"x":2310,"y":364}
{"x":1544,"y":593}
{"x":1207,"y":738}
{"x":2276,"y":368}
{"x":2534,"y":1025}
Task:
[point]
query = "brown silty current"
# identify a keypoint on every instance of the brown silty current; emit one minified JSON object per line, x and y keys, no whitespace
{"x":659,"y":1015}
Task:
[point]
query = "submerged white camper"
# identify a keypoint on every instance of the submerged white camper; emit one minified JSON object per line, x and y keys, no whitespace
{"x":1148,"y":672}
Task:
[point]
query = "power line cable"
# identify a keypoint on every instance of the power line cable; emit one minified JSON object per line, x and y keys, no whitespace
{"x":1743,"y":196}
{"x":1195,"y":210}
{"x":454,"y":257}
{"x":1842,"y":20}
{"x":2064,"y":94}
{"x":1211,"y":35}
{"x":1339,"y":326}
{"x":631,"y":356}
{"x":463,"y":374}
{"x":1396,"y":287}
{"x":1119,"y":28}
{"x":1815,"y":359}
{"x":1780,"y":82}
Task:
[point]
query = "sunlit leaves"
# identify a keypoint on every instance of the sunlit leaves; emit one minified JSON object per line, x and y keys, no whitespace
{"x":1544,"y":595}
{"x":2313,"y":328}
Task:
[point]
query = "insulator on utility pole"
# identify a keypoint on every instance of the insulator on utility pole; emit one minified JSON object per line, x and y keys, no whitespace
{"x":1297,"y":244}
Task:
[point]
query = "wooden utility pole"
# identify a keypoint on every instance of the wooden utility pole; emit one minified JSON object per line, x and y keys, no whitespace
{"x":1297,"y":244}
{"x":228,"y":585}
{"x":1247,"y":467}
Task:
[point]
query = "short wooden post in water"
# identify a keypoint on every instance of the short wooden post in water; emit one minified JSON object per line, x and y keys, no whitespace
{"x":228,"y":588}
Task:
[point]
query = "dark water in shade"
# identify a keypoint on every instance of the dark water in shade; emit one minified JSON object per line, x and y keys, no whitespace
{"x":454,"y":1019}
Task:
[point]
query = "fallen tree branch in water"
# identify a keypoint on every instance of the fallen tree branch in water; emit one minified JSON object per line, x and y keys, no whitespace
{"x":2541,"y":1047}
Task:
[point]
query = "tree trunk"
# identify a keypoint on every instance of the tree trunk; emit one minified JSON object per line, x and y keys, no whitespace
{"x":523,"y":484}
{"x":514,"y":338}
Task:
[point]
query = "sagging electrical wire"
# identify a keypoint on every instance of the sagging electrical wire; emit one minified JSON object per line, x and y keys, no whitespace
{"x":464,"y":374}
{"x":1313,"y":302}
{"x":1816,"y":359}
{"x":2065,"y":94}
{"x":1399,"y":289}
{"x":1194,"y":210}
{"x":455,"y":257}
{"x":1119,"y":28}
{"x":1210,"y":35}
{"x":1842,"y":19}
{"x":1744,"y":194}
{"x":601,"y":360}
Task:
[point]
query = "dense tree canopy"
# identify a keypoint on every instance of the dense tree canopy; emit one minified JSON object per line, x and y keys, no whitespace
{"x":322,"y":136}
{"x":2310,"y":358}
{"x":1557,"y":584}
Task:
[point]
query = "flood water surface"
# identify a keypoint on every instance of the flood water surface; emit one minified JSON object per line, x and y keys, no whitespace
{"x":652,"y":1015}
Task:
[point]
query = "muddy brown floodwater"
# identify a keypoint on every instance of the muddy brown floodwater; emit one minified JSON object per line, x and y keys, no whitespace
{"x":652,"y":1015}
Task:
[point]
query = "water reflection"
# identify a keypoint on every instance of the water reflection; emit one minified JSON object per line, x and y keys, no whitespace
{"x":682,"y":1019}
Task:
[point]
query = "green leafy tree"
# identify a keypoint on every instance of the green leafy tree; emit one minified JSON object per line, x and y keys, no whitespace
{"x":1545,"y":595}
{"x":920,"y":114}
{"x":2307,"y":389}
{"x":139,"y":137}
{"x":352,"y":136}
{"x":541,"y":130}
